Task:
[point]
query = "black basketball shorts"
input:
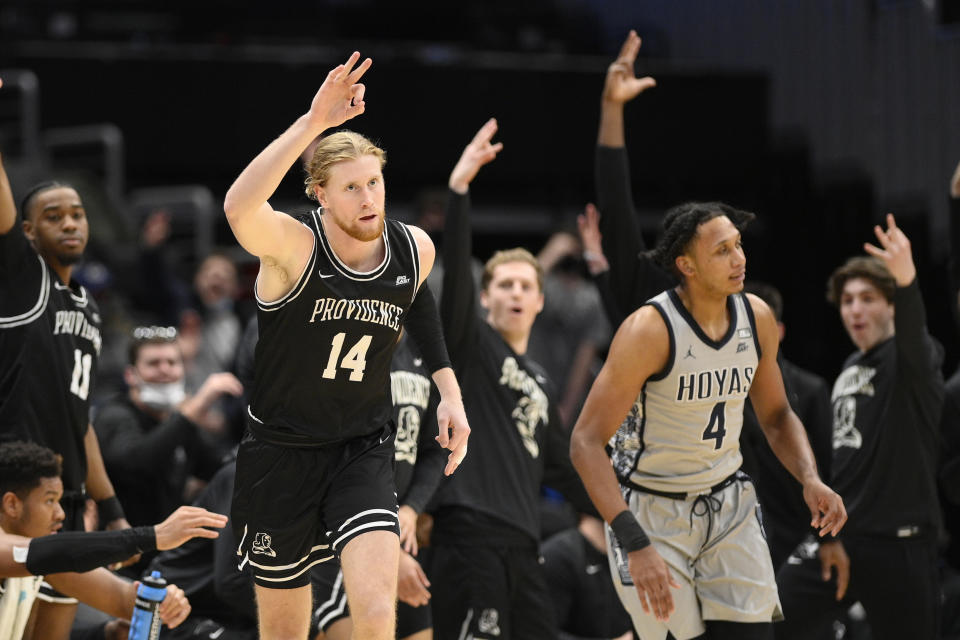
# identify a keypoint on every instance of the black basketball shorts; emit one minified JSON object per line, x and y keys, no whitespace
{"x":294,"y":508}
{"x":330,"y":604}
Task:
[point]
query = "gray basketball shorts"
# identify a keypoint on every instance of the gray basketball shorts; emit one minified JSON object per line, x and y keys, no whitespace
{"x":715,"y":548}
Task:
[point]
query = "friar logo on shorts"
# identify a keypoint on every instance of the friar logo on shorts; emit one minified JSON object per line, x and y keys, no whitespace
{"x":489,"y":622}
{"x":261,"y":545}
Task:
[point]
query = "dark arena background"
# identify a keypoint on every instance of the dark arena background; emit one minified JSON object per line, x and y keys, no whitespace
{"x":818,"y":115}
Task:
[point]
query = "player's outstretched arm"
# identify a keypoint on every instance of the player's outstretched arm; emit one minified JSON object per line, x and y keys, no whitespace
{"x":621,"y":86}
{"x":785,"y":432}
{"x":458,"y":306}
{"x":8,"y":210}
{"x":82,"y":551}
{"x":639,"y":349}
{"x":258,"y":228}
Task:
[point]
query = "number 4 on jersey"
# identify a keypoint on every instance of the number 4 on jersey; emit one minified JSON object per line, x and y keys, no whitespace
{"x":715,"y":427}
{"x":355,"y":360}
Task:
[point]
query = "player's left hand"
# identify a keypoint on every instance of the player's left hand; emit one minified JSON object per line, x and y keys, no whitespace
{"x":408,"y":529}
{"x":895,"y":252}
{"x":834,"y":556}
{"x":826,"y":507}
{"x":454,"y":431}
{"x":412,"y":582}
{"x":175,"y":607}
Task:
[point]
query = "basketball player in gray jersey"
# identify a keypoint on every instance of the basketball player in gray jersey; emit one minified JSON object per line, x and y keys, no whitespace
{"x":687,"y":550}
{"x":315,"y":468}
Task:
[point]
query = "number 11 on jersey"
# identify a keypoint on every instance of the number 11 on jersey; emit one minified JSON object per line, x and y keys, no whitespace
{"x":355,"y":360}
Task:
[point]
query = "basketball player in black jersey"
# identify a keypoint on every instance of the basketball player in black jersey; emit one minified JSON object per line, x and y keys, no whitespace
{"x":315,"y":468}
{"x":49,"y":345}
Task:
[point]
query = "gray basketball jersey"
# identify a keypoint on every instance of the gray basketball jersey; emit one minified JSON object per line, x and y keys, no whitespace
{"x":683,"y":432}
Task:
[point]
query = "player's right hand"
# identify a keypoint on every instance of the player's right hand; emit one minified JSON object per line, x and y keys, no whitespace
{"x":834,"y":556}
{"x":622,"y":85}
{"x":653,"y":580}
{"x":185,"y":523}
{"x":340,"y":97}
{"x":479,"y":152}
{"x":453,"y":432}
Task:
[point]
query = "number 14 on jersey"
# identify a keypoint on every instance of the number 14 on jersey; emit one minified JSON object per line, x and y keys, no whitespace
{"x":355,"y":360}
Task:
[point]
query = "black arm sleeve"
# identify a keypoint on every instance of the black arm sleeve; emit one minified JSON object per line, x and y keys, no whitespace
{"x":634,"y":278}
{"x":423,"y":325}
{"x":431,"y":458}
{"x":917,"y":353}
{"x":84,"y":551}
{"x":615,"y":315}
{"x":458,"y":300}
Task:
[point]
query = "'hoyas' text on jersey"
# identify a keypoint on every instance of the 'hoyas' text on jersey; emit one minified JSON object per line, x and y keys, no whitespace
{"x":363,"y":310}
{"x":715,"y":384}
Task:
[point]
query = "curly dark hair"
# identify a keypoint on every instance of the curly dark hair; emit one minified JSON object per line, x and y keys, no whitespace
{"x":24,"y":464}
{"x":680,"y":226}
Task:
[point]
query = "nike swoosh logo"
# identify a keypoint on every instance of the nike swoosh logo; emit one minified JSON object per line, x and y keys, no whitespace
{"x":325,"y":275}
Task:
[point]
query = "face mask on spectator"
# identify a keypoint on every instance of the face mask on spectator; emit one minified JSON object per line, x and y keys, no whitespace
{"x":162,"y":396}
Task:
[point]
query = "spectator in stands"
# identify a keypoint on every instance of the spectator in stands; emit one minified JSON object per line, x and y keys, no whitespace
{"x":151,"y":436}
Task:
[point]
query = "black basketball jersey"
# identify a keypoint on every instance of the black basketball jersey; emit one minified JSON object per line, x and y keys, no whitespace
{"x":410,"y":392}
{"x":49,"y":346}
{"x":322,"y":364}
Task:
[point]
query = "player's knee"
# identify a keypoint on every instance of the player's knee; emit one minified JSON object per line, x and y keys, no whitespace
{"x":375,"y":620}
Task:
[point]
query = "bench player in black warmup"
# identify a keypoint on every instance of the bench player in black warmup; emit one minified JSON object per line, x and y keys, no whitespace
{"x":49,"y":346}
{"x":887,"y":405}
{"x":315,"y":468}
{"x":484,"y":564}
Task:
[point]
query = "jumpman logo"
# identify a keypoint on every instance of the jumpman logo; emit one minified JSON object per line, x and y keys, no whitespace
{"x":690,"y":353}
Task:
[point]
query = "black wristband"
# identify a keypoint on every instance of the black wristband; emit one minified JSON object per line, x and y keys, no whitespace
{"x":629,"y":533}
{"x":109,"y":510}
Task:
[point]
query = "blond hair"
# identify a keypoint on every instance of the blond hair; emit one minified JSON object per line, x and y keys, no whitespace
{"x":510,"y":255}
{"x":334,"y":148}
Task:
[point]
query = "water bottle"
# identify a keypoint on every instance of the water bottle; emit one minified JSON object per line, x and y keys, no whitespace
{"x":145,"y":622}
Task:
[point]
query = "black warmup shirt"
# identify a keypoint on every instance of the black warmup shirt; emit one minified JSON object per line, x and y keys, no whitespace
{"x":887,"y":406}
{"x":516,"y":438}
{"x":322,"y":370}
{"x":49,"y":346}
